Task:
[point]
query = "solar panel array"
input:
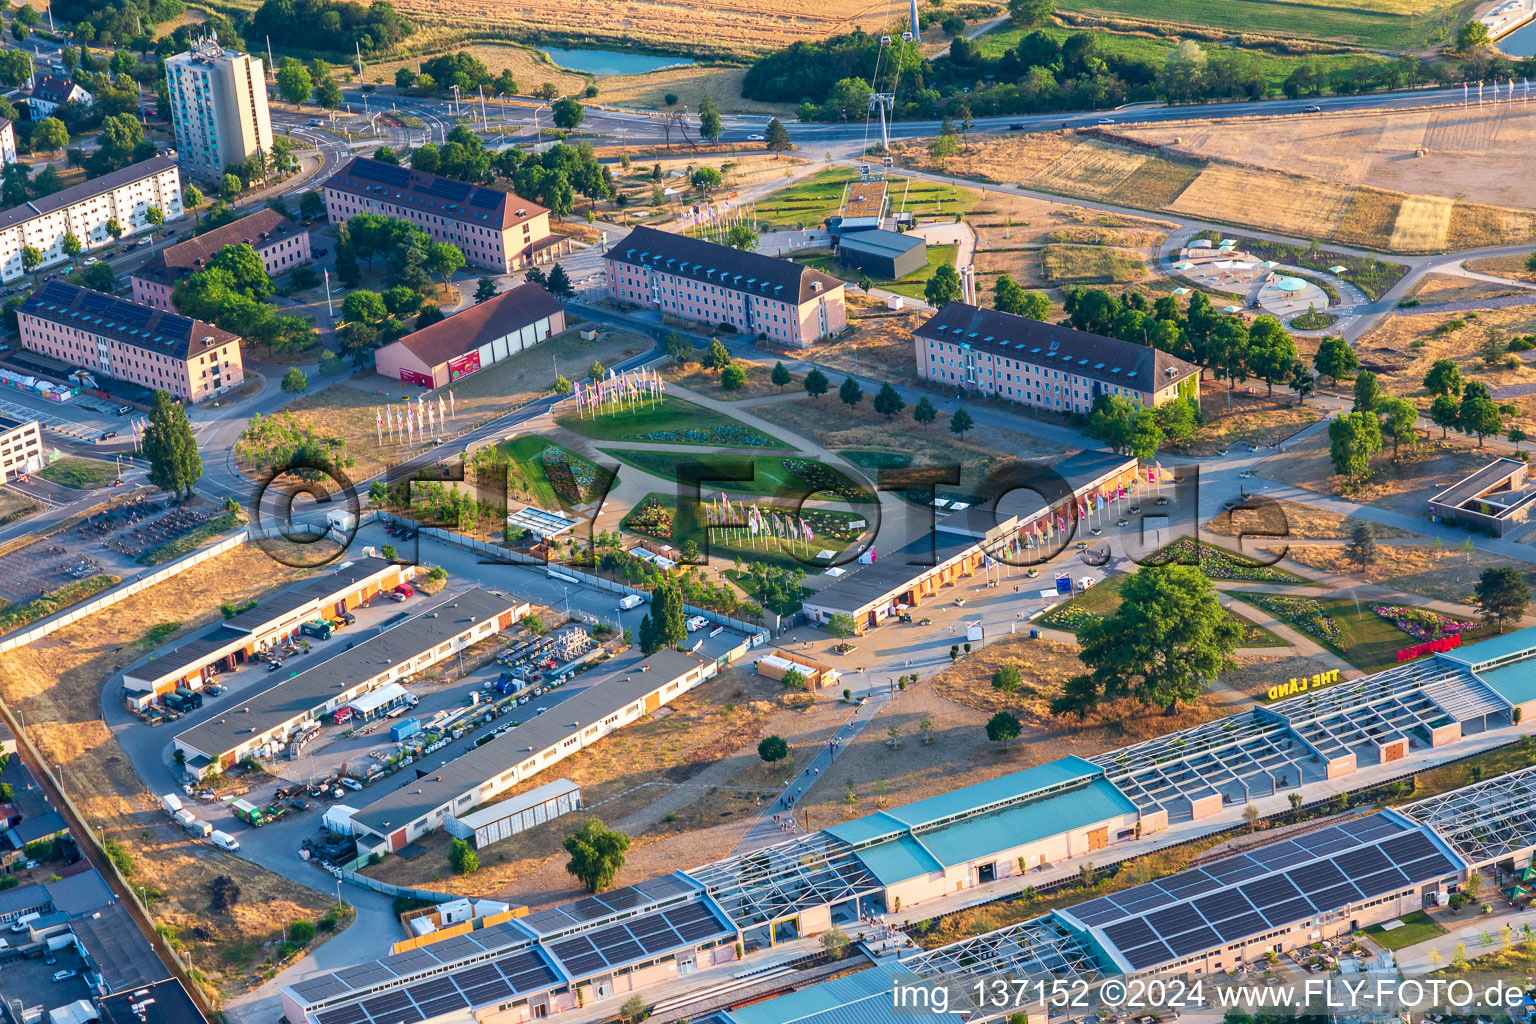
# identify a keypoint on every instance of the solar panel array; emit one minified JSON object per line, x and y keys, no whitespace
{"x":127,"y":321}
{"x":1274,"y":887}
{"x":592,"y":909}
{"x":638,"y":938}
{"x":384,"y":174}
{"x":505,"y":937}
{"x":480,"y":985}
{"x":427,"y":191}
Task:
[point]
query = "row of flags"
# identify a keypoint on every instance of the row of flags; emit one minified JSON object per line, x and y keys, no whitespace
{"x":405,"y":421}
{"x":714,"y":220}
{"x":1510,"y":95}
{"x":619,"y":391}
{"x":752,"y":522}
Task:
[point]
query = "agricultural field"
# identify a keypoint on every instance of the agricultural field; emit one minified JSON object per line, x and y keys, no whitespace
{"x":1215,"y":189}
{"x":1467,"y":153}
{"x":689,"y":85}
{"x":912,"y":285}
{"x":1383,"y":24}
{"x":56,"y":685}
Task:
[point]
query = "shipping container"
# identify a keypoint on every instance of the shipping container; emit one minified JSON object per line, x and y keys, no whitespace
{"x":404,"y":729}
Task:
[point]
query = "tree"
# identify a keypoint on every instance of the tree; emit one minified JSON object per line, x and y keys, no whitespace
{"x":1109,"y":422}
{"x":31,"y":259}
{"x":363,"y":306}
{"x":1502,"y":594}
{"x":294,"y":84}
{"x":1353,"y":440}
{"x":1166,"y":642}
{"x":741,"y":236}
{"x":780,"y":376}
{"x":560,"y":283}
{"x":1399,"y":418}
{"x":568,"y":114}
{"x":1251,"y":817}
{"x":328,"y":94}
{"x":50,"y":135}
{"x":154,"y":215}
{"x":1445,"y":413}
{"x":247,"y":273}
{"x":191,"y":199}
{"x":1028,"y":13}
{"x":678,"y":347}
{"x":70,"y":244}
{"x":717,"y":356}
{"x":445,"y":259}
{"x":1473,"y":35}
{"x":1301,"y":381}
{"x":462,"y":857}
{"x":229,"y":188}
{"x":850,"y":392}
{"x":563,"y":387}
{"x":1479,"y":414}
{"x":632,"y":1010}
{"x":1444,"y":378}
{"x":301,"y":931}
{"x":1516,"y":437}
{"x":834,"y":943}
{"x":1002,"y":727}
{"x":597,"y":854}
{"x":815,"y":383}
{"x":733,"y":378}
{"x":1271,"y":351}
{"x":1335,"y":359}
{"x":1361,"y":548}
{"x":295,"y":381}
{"x":709,"y":119}
{"x":777,"y":137}
{"x":312,"y":205}
{"x":664,"y":625}
{"x":924,"y":412}
{"x":1008,"y":678}
{"x":888,"y":401}
{"x":1367,"y":392}
{"x":960,"y":422}
{"x":842,"y":625}
{"x":943,"y":287}
{"x":705,"y":179}
{"x":772,"y":748}
{"x":174,"y":464}
{"x":400,"y":300}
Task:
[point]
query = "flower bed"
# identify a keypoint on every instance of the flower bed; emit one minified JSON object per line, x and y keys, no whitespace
{"x":572,"y":476}
{"x":651,"y":518}
{"x":1303,"y":613}
{"x":1420,"y":623}
{"x":1069,"y":617}
{"x":1219,"y":564}
{"x":820,"y":478}
{"x":741,"y":437}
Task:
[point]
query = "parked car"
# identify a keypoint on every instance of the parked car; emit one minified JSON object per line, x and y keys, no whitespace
{"x":64,"y":975}
{"x":317,"y":253}
{"x":90,"y":261}
{"x":274,"y":666}
{"x":351,"y":783}
{"x":696,"y":623}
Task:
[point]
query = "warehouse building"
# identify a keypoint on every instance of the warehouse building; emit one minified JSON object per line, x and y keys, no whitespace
{"x":113,"y":337}
{"x":261,"y":723}
{"x":192,"y":662}
{"x":279,"y":242}
{"x":485,"y":333}
{"x":509,"y":817}
{"x":887,"y":255}
{"x":523,"y":751}
{"x":1495,"y":498}
{"x":1045,"y":365}
{"x":962,"y":543}
{"x":688,"y":277}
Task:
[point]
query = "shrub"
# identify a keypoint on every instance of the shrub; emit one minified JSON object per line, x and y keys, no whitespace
{"x":302,"y":931}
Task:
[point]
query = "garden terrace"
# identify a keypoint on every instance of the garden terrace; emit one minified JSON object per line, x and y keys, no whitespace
{"x":812,"y":870}
{"x":1488,"y":821}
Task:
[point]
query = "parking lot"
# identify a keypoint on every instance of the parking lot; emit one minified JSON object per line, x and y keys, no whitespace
{"x":28,"y":980}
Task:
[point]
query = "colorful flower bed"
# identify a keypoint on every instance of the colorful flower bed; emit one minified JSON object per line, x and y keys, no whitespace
{"x":651,"y":518}
{"x":1303,"y":613}
{"x":572,"y":476}
{"x":1420,"y":623}
{"x":741,"y":437}
{"x":1069,"y":617}
{"x":1218,"y":564}
{"x":820,"y":478}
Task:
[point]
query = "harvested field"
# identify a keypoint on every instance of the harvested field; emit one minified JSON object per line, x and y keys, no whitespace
{"x":1468,"y":152}
{"x":1513,"y":267}
{"x":1091,"y":264}
{"x":1307,"y":207}
{"x":1371,"y":218}
{"x":689,"y":84}
{"x":1475,"y":226}
{"x":1422,"y":223}
{"x":347,"y":409}
{"x":57,"y":685}
{"x":1092,"y":168}
{"x":1013,"y":157}
{"x":1455,"y":288}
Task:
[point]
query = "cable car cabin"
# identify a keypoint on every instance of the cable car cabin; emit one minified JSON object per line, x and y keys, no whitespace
{"x":906,"y":37}
{"x":885,"y":40}
{"x":864,"y":169}
{"x":887,"y":162}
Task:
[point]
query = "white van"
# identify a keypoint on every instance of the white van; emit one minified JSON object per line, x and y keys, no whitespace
{"x":225,"y":840}
{"x":24,"y":922}
{"x":630,"y":601}
{"x":696,"y":623}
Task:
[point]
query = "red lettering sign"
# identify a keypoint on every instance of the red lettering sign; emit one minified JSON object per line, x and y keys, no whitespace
{"x":420,"y":379}
{"x":463,"y":365}
{"x":1444,"y":643}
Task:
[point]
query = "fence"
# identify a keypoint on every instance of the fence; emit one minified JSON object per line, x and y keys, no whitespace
{"x":351,"y":877}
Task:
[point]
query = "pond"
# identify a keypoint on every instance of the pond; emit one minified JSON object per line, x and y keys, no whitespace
{"x":1521,"y":42}
{"x":611,"y":62}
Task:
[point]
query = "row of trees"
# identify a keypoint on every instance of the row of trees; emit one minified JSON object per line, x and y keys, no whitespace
{"x":231,"y":291}
{"x":325,"y":25}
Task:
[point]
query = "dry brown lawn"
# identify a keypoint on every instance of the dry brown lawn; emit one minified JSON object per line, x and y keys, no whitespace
{"x":1512,"y":267}
{"x":1455,"y":288}
{"x":530,"y":67}
{"x":707,"y":382}
{"x":1091,"y":264}
{"x":1308,"y":207}
{"x":1303,"y":522}
{"x":689,"y":84}
{"x":1401,"y":485}
{"x":348,"y":408}
{"x":1253,"y":417}
{"x":56,"y":686}
{"x":880,"y":344}
{"x":1469,"y":152}
{"x":1440,"y":574}
{"x":1474,"y":226}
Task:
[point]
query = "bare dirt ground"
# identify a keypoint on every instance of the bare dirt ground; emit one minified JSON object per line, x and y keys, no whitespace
{"x":881,"y":342}
{"x":1303,"y":522}
{"x":1467,"y":152}
{"x":56,"y":685}
{"x":1254,"y":418}
{"x":1512,"y":267}
{"x":1401,"y":486}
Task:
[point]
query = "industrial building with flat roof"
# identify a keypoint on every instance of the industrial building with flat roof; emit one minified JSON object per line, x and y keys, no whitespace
{"x":520,"y":753}
{"x":271,"y":717}
{"x":960,"y":543}
{"x":191,"y":662}
{"x":1495,"y":498}
{"x":888,"y":255}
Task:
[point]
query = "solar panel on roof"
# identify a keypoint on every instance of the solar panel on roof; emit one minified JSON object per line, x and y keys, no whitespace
{"x":352,"y":1014}
{"x":1427,"y":867}
{"x":477,"y":975}
{"x":1173,"y":920}
{"x":1186,"y":881}
{"x":382,"y":1007}
{"x":1381,"y":882}
{"x":1411,"y":846}
{"x":1324,"y":843}
{"x":1223,"y":905}
{"x":1371,"y":825}
{"x":1095,"y":911}
{"x":445,"y":1004}
{"x":1193,"y":941}
{"x":655,"y":942}
{"x":1146,"y":956}
{"x":1318,"y":875}
{"x":1280,"y":854}
{"x":587,"y":909}
{"x":1237,"y":927}
{"x":1266,"y":891}
{"x":1287,"y":911}
{"x":623,"y":899}
{"x":1232,"y":868}
{"x":648,"y":925}
{"x":482,"y":995}
{"x":1335,"y":898}
{"x":1366,"y":861}
{"x":433,"y":988}
{"x":486,"y":199}
{"x":1127,"y":934}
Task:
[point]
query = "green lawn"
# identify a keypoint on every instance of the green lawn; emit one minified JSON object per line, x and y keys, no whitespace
{"x":789,"y":478}
{"x":726,"y":546}
{"x":812,"y":200}
{"x":528,"y":474}
{"x":911,"y":285}
{"x":79,"y":474}
{"x":1416,"y":927}
{"x":1346,"y":627}
{"x":673,"y":421}
{"x":1104,"y":599}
